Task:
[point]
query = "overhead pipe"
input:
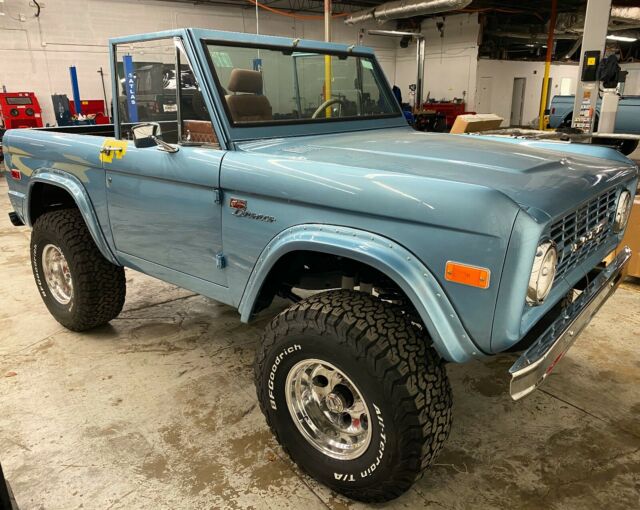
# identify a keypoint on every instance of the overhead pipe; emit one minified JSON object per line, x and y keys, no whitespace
{"x":405,"y":9}
{"x":534,"y":37}
{"x":572,"y":51}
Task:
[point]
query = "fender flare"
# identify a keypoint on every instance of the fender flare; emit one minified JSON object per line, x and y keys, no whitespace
{"x":72,"y":185}
{"x":449,"y":336}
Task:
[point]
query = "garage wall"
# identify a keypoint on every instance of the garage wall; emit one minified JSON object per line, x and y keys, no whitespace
{"x":451,"y":60}
{"x":35,"y":53}
{"x":495,"y":85}
{"x":632,"y":86}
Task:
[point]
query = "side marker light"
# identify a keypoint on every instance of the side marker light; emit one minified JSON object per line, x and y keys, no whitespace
{"x":467,"y":275}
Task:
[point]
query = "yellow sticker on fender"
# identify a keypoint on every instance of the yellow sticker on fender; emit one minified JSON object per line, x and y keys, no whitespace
{"x":110,"y":147}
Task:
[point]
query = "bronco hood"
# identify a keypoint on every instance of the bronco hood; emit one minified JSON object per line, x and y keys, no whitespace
{"x":548,"y":176}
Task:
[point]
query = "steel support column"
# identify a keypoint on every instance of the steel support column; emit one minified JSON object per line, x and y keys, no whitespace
{"x":420,"y":55}
{"x":593,"y":39}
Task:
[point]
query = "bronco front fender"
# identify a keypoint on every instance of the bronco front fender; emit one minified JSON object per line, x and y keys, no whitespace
{"x":72,"y":185}
{"x":449,"y":336}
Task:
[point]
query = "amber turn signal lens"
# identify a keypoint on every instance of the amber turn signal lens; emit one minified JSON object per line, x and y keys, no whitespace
{"x":467,"y":275}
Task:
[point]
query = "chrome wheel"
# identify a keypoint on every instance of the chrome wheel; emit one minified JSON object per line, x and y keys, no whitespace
{"x":57,"y":274}
{"x":328,"y":409}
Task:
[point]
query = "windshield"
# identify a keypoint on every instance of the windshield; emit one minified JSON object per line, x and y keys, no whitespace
{"x":262,"y":86}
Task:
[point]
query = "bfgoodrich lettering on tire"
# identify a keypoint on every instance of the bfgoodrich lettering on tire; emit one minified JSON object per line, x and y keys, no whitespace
{"x":353,"y":393}
{"x":80,"y":287}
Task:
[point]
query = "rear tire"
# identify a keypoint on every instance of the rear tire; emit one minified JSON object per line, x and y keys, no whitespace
{"x":81,"y":289}
{"x":627,"y":146}
{"x":360,"y":348}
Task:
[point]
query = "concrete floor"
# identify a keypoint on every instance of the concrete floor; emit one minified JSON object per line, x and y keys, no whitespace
{"x":158,"y":410}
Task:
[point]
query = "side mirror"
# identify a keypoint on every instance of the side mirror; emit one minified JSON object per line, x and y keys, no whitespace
{"x":146,"y":134}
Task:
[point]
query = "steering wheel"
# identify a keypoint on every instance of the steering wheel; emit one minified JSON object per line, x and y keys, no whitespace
{"x":326,"y":104}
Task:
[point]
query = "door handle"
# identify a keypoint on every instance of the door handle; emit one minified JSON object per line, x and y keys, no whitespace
{"x":109,"y":150}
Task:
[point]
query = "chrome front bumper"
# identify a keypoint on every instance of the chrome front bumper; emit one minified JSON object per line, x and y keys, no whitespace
{"x":531,"y":369}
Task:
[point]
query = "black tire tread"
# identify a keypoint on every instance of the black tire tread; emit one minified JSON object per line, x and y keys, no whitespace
{"x":99,"y":285}
{"x":394,"y":350}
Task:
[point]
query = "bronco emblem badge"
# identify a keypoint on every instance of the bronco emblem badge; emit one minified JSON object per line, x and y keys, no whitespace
{"x":240,"y":209}
{"x":588,"y":236}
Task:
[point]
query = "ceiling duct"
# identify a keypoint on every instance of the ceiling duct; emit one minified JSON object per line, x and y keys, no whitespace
{"x":625,"y":14}
{"x":622,"y":18}
{"x":406,"y":9}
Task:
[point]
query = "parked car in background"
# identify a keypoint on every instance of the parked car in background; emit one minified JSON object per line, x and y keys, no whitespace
{"x":400,"y":250}
{"x":627,"y":119}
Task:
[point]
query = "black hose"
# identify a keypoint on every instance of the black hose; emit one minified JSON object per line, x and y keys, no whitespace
{"x":37,"y":7}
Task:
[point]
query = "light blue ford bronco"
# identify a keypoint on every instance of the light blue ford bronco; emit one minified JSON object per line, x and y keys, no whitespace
{"x":245,"y":167}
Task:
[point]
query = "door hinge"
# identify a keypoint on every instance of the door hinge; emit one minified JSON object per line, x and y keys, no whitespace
{"x":217,"y":195}
{"x":221,"y":262}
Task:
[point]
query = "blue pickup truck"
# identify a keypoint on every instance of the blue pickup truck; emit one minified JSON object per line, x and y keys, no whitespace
{"x":627,"y":119}
{"x":259,"y":166}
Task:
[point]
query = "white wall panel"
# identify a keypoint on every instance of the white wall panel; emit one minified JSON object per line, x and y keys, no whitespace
{"x":451,"y":60}
{"x":500,"y":87}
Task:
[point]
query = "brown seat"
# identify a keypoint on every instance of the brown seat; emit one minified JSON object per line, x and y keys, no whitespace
{"x":200,"y":131}
{"x":246,"y":103}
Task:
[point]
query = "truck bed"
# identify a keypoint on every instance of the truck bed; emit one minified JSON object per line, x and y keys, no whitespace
{"x":89,"y":129}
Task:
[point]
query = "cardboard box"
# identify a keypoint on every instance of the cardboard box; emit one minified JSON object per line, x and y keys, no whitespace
{"x":632,"y":240}
{"x":470,"y":123}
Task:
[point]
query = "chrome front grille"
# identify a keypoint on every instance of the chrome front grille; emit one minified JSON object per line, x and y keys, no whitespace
{"x":582,"y":232}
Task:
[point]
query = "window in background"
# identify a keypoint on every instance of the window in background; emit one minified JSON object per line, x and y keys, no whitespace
{"x":566,"y":87}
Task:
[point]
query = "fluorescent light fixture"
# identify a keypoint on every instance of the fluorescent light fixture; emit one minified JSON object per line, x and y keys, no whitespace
{"x":621,"y":38}
{"x":395,"y":33}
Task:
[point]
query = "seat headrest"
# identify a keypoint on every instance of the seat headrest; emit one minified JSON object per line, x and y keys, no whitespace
{"x":245,"y":80}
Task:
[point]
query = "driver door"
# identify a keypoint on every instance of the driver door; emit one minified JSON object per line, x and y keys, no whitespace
{"x":163,"y":206}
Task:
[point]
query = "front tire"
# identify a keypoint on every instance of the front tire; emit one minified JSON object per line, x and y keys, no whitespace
{"x":353,"y":393}
{"x":81,"y":289}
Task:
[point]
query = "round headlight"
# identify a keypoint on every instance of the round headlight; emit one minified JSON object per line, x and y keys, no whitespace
{"x":623,"y":211}
{"x":542,"y":274}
